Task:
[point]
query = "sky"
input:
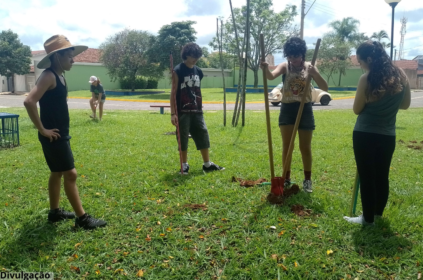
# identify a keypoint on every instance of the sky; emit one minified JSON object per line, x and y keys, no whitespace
{"x":92,"y":22}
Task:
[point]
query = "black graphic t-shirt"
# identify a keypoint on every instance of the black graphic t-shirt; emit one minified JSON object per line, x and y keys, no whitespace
{"x":188,"y":95}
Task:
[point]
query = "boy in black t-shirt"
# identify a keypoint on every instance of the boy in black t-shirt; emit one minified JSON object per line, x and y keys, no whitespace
{"x":186,"y":85}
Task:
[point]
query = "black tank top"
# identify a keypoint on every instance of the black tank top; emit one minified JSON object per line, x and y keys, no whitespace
{"x":54,"y":112}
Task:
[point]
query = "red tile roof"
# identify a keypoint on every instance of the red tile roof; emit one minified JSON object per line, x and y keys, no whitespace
{"x":407,"y":64}
{"x":38,"y":52}
{"x":88,"y":56}
{"x":354,"y":60}
{"x":420,"y":72}
{"x":404,"y":64}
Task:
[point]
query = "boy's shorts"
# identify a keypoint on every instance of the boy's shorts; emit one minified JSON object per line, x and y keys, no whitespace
{"x":193,"y":124}
{"x":288,"y":115}
{"x":58,"y":155}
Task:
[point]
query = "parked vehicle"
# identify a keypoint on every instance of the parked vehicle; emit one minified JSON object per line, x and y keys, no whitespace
{"x":317,"y":96}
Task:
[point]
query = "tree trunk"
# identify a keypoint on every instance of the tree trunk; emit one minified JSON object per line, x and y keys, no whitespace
{"x":240,"y":65}
{"x":255,"y":78}
{"x":13,"y":83}
{"x":221,"y":66}
{"x":340,"y":75}
{"x":247,"y":49}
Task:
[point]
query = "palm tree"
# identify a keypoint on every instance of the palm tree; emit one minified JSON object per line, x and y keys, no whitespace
{"x":379,"y":36}
{"x":346,"y":29}
{"x":359,"y":39}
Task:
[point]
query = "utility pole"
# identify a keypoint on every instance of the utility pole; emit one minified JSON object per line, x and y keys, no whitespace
{"x":302,"y":18}
{"x":395,"y":58}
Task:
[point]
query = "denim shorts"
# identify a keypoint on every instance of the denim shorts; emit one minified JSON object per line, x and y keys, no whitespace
{"x":288,"y":115}
{"x":193,"y":124}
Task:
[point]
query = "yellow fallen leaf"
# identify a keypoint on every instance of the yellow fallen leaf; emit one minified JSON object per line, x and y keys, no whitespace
{"x":201,"y":236}
{"x":75,"y":256}
{"x":77,"y":245}
{"x":126,"y":253}
{"x":170,"y":257}
{"x":140,"y":273}
{"x":281,"y":233}
{"x":275,"y":256}
{"x":169,"y":229}
{"x":159,"y":223}
{"x":137,"y":229}
{"x":329,"y":252}
{"x":162,"y":234}
{"x":296,"y":264}
{"x":314,"y":225}
{"x":97,"y":272}
{"x":140,"y":252}
{"x":283,"y":267}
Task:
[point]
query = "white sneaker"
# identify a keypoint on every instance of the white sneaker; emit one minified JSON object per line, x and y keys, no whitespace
{"x":307,"y":186}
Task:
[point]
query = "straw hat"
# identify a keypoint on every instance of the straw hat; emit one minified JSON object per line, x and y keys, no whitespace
{"x":55,"y":44}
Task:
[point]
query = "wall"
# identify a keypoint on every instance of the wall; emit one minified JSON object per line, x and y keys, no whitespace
{"x":3,"y":84}
{"x":412,"y":77}
{"x":80,"y":74}
{"x":420,"y":82}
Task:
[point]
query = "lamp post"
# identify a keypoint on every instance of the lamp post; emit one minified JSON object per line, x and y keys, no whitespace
{"x":393,"y":4}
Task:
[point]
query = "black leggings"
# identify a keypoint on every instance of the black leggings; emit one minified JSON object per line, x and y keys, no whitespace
{"x":373,"y":154}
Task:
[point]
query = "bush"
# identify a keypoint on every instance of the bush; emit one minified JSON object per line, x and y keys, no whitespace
{"x":140,"y":83}
{"x":152,"y":84}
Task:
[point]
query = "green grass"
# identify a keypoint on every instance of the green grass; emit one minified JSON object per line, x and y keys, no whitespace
{"x":209,"y":94}
{"x":127,"y":175}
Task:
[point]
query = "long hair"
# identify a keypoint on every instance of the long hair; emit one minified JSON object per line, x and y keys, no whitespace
{"x":383,"y":74}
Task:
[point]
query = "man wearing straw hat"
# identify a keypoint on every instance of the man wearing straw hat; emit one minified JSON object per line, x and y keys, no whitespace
{"x":53,"y":129}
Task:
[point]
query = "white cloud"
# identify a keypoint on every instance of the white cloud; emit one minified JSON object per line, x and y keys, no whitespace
{"x":93,"y":21}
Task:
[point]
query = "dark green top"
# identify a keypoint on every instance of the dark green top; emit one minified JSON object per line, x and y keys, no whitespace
{"x":98,"y":89}
{"x":380,"y":116}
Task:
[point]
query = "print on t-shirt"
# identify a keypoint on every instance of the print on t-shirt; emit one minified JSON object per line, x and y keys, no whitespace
{"x":191,"y":94}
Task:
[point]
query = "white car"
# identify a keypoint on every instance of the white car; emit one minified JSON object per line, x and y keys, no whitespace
{"x":317,"y":95}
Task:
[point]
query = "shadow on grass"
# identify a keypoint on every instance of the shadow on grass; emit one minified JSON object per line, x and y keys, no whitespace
{"x":380,"y":241}
{"x":175,"y":179}
{"x":305,"y":199}
{"x":35,"y":240}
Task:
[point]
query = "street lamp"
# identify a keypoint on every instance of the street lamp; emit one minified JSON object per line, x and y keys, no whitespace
{"x":393,"y":4}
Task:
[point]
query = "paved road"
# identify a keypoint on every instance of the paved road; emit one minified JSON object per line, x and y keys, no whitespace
{"x":7,"y":101}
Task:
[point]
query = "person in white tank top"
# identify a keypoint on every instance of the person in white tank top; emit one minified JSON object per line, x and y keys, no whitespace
{"x":296,"y":70}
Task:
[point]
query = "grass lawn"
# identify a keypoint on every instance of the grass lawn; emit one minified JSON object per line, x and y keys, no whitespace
{"x":209,"y":94}
{"x":127,"y":173}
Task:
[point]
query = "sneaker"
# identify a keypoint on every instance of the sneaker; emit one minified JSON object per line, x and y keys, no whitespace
{"x":89,"y":222}
{"x":58,"y":215}
{"x":186,"y":170}
{"x":287,"y":183}
{"x":307,"y":186}
{"x":213,"y":167}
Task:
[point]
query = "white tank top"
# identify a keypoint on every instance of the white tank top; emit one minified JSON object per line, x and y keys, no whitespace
{"x":294,"y":85}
